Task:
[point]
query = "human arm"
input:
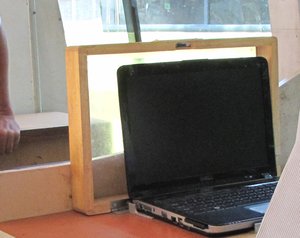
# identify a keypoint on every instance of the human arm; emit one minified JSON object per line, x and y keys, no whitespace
{"x":9,"y":129}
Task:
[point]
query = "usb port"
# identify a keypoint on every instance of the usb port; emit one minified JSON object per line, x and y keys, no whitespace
{"x":164,"y":214}
{"x":196,"y":223}
{"x":146,"y":208}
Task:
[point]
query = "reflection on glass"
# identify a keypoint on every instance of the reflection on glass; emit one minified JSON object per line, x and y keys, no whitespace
{"x":103,"y":90}
{"x":171,"y":19}
{"x":239,"y":12}
{"x":89,"y":22}
{"x":171,"y":12}
{"x":203,"y":11}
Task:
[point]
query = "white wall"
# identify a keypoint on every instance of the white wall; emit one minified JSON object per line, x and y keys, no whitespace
{"x":289,"y":112}
{"x":285,"y":23}
{"x":15,"y":20}
{"x":50,"y":42}
{"x":36,"y":50}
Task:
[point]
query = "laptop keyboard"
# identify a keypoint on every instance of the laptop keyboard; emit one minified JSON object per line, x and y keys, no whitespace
{"x":220,"y":199}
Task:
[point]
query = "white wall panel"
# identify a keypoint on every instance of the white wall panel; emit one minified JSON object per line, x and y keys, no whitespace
{"x":15,"y":20}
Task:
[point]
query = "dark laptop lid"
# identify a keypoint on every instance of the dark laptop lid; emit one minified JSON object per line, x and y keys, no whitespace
{"x":195,"y":121}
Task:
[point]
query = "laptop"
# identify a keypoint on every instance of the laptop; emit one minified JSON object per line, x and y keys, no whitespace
{"x":197,"y":135}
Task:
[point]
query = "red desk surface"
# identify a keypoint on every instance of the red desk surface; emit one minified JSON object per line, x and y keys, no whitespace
{"x":72,"y":224}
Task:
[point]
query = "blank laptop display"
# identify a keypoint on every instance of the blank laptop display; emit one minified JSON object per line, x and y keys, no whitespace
{"x":198,"y":128}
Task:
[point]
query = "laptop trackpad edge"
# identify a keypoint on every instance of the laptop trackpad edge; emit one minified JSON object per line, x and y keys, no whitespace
{"x":260,"y":208}
{"x":229,"y":216}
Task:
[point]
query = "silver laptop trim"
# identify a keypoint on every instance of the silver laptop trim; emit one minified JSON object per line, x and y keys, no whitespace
{"x":142,"y":208}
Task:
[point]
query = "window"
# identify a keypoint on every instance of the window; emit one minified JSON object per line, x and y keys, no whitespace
{"x":104,"y":21}
{"x":202,"y":18}
{"x":107,"y":21}
{"x":107,"y":174}
{"x":88,"y":22}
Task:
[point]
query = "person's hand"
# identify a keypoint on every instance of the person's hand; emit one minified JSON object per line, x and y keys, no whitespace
{"x":9,"y":134}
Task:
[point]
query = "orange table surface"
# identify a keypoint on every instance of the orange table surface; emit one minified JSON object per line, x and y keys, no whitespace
{"x":72,"y":224}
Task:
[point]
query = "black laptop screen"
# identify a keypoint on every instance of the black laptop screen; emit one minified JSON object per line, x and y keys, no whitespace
{"x":195,"y":120}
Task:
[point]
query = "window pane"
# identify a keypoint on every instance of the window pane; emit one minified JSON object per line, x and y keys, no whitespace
{"x":238,"y":12}
{"x":171,"y":12}
{"x":103,"y":21}
{"x":171,"y":19}
{"x":203,"y":11}
{"x":90,"y":22}
{"x":112,"y":15}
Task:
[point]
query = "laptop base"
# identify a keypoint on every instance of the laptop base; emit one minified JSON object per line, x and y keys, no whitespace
{"x":174,"y":220}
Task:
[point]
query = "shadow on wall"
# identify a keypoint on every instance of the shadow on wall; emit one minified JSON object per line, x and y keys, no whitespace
{"x":289,"y":111}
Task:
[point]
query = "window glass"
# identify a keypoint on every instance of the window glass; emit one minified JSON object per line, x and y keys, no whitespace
{"x":169,"y":19}
{"x":203,"y":12}
{"x":89,"y":22}
{"x":238,"y":12}
{"x":171,"y":12}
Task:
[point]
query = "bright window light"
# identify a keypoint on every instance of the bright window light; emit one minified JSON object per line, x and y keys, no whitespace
{"x":89,"y":22}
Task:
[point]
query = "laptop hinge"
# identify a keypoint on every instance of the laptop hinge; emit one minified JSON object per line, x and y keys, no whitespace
{"x":133,"y":210}
{"x":119,"y":205}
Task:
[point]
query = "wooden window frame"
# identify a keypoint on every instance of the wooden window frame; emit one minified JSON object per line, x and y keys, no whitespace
{"x":111,"y":171}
